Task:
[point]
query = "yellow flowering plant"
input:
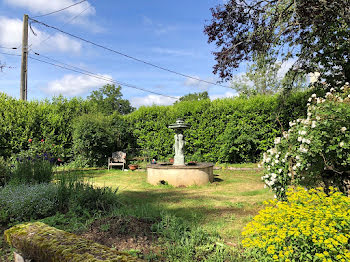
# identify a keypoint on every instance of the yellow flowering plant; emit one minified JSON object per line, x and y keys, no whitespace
{"x":315,"y":151}
{"x":309,"y":226}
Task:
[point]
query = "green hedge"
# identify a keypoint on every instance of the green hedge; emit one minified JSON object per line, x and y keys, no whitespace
{"x":224,"y":130}
{"x":20,"y":121}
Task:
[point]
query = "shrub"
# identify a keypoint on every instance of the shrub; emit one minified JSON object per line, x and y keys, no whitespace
{"x":31,"y":171}
{"x":80,"y":197}
{"x":4,"y":171}
{"x":315,"y":151}
{"x":43,"y":149}
{"x":309,"y":226}
{"x":25,"y":202}
{"x":95,"y":138}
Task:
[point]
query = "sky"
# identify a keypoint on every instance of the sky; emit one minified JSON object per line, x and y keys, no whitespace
{"x":166,"y":33}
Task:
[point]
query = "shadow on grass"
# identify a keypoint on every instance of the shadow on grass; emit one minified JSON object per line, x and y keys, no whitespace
{"x":217,"y":179}
{"x":189,"y":206}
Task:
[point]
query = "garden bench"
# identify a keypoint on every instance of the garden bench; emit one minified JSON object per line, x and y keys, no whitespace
{"x":42,"y":243}
{"x":117,"y":159}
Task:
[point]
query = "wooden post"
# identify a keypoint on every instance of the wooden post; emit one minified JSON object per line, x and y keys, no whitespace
{"x":24,"y":65}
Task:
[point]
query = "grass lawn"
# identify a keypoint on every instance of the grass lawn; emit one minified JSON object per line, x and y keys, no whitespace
{"x":224,"y":206}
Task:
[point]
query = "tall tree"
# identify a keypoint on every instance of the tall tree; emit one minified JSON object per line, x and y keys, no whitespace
{"x":108,"y":100}
{"x":264,"y":76}
{"x":194,"y":97}
{"x":316,"y":33}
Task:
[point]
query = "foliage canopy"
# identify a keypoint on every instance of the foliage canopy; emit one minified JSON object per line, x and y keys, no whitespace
{"x":314,"y":32}
{"x":108,"y":99}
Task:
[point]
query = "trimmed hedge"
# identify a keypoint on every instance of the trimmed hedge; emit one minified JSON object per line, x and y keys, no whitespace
{"x":22,"y":120}
{"x":224,"y":130}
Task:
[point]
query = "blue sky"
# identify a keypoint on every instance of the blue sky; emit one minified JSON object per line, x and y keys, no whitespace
{"x":166,"y":33}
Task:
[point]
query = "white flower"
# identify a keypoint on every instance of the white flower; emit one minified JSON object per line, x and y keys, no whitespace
{"x":318,"y":118}
{"x":280,"y":170}
{"x":277,"y":140}
{"x":298,"y":164}
{"x":341,"y":144}
{"x":343,"y":129}
{"x":303,"y":149}
{"x":300,"y":139}
{"x":313,"y":95}
{"x":313,"y":124}
{"x":332,"y":89}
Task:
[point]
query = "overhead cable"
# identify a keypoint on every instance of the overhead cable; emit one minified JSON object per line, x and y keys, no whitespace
{"x":84,"y":72}
{"x":9,"y":54}
{"x":129,"y":56}
{"x":13,"y":48}
{"x":60,"y":9}
{"x":69,"y":21}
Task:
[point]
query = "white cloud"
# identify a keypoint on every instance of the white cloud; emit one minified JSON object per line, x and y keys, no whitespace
{"x":158,"y":28}
{"x":174,"y":52}
{"x":151,"y":100}
{"x":73,"y":85}
{"x":11,"y":36}
{"x":227,"y":94}
{"x":196,"y":83}
{"x":45,"y":6}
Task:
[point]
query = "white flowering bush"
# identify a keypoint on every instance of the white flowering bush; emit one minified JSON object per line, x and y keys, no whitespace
{"x":314,"y":151}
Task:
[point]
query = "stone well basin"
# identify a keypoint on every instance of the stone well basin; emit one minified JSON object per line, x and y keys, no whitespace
{"x":180,"y":176}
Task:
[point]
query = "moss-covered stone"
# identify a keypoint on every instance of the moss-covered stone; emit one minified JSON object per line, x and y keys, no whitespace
{"x":44,"y":243}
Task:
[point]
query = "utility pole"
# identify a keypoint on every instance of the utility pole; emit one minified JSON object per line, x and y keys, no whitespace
{"x":24,"y":65}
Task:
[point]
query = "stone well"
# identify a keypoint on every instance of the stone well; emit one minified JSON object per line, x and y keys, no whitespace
{"x":180,"y":175}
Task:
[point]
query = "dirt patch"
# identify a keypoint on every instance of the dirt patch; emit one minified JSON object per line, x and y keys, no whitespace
{"x":123,"y":233}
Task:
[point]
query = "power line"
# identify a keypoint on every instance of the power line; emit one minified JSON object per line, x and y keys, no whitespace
{"x":85,"y":72}
{"x":9,"y":54}
{"x":69,"y":21}
{"x":128,"y":56}
{"x":12,"y":48}
{"x":60,"y":9}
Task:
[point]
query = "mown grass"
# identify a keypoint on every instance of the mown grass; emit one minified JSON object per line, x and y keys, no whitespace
{"x":224,"y":206}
